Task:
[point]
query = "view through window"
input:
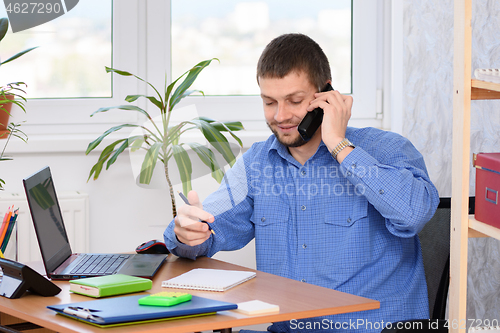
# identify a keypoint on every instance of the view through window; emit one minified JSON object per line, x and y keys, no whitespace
{"x":236,"y":32}
{"x":72,"y":52}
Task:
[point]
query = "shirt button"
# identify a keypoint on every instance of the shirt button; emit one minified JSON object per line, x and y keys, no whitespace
{"x":303,"y":172}
{"x":381,"y":191}
{"x":304,"y":246}
{"x":263,"y":219}
{"x":303,"y":280}
{"x":354,"y":165}
{"x":348,"y":220}
{"x":303,"y":207}
{"x":348,"y":173}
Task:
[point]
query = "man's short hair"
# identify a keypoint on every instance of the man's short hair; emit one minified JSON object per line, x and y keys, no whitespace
{"x":294,"y":52}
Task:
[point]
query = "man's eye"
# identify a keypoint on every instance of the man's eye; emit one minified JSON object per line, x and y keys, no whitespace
{"x":296,"y":102}
{"x":269,"y":103}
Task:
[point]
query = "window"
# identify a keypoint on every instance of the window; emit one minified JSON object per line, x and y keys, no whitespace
{"x":243,"y":28}
{"x":236,"y":32}
{"x":145,"y":41}
{"x":66,"y":74}
{"x":69,"y":62}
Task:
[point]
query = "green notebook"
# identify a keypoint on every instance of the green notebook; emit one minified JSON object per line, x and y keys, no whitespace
{"x":109,"y":285}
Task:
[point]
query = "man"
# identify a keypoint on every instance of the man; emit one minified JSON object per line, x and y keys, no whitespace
{"x":341,"y":210}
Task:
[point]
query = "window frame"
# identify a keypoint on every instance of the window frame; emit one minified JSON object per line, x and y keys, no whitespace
{"x":65,"y":125}
{"x":71,"y":116}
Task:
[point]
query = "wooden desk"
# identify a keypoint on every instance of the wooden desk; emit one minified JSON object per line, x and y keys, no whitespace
{"x":296,"y":300}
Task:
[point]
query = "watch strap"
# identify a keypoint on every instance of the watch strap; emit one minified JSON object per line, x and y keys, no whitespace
{"x":342,"y":144}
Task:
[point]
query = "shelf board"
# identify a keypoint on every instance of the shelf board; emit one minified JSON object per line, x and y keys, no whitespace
{"x":484,"y":90}
{"x":483,"y":228}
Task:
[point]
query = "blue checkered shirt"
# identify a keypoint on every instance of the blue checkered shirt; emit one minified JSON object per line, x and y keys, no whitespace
{"x":350,"y":227}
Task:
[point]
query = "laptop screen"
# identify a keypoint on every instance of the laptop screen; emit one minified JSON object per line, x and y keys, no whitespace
{"x":47,"y":219}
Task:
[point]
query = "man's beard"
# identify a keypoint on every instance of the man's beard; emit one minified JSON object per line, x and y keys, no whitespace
{"x":296,"y":143}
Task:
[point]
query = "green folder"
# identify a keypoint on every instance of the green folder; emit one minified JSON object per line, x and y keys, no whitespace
{"x":109,"y":285}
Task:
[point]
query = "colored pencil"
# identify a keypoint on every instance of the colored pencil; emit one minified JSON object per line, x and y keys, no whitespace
{"x":9,"y":231}
{"x":5,"y":223}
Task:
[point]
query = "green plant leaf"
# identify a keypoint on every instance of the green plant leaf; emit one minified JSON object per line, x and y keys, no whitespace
{"x":189,"y":92}
{"x":126,"y":143}
{"x":18,"y":55}
{"x":119,"y":72}
{"x":149,"y":163}
{"x":4,"y":26}
{"x":152,"y":99}
{"x":192,"y":74}
{"x":216,"y":139}
{"x":184,"y":165}
{"x":137,"y":144}
{"x":229,"y":126}
{"x":169,"y":89}
{"x":106,"y":153}
{"x":97,"y":141}
{"x":124,"y":73}
{"x":126,"y":107}
{"x":226,"y":127}
{"x":232,"y":125}
{"x":208,"y":157}
{"x":230,"y":132}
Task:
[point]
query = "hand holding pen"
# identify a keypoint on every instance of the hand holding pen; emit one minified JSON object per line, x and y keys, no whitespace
{"x":186,"y":201}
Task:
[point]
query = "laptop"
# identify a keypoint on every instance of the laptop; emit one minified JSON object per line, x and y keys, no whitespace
{"x":59,"y":261}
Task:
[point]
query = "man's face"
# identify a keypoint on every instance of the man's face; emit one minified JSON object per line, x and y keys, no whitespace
{"x":285,"y":101}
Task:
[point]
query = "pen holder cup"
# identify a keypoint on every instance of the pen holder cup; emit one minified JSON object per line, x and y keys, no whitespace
{"x":9,"y":244}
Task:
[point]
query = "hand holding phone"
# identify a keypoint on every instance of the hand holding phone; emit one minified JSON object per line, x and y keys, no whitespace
{"x":312,"y":120}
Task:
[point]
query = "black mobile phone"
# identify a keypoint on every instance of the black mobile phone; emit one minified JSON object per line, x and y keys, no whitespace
{"x":311,"y":122}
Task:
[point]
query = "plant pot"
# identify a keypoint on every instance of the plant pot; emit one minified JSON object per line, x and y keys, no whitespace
{"x":5,"y":108}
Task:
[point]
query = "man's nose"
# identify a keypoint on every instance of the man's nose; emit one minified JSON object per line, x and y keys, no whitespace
{"x":282,"y":113}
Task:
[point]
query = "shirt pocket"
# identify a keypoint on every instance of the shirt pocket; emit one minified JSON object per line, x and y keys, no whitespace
{"x":346,"y":212}
{"x":271,"y":213}
{"x":345,"y":228}
{"x":271,"y":220}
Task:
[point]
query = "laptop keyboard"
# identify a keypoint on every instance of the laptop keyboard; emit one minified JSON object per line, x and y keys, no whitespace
{"x":96,"y":264}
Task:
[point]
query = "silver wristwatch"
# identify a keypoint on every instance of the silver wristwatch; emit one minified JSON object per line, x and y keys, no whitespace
{"x":342,"y":144}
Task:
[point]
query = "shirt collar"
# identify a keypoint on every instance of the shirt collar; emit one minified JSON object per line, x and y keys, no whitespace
{"x":283,"y":152}
{"x":279,"y":148}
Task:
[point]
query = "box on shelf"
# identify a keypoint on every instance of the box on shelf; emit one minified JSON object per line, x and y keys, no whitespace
{"x":487,"y":188}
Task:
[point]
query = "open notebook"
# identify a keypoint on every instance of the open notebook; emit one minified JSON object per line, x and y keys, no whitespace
{"x":209,"y":279}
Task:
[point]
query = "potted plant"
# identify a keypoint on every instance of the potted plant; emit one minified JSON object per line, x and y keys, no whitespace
{"x":161,"y":141}
{"x":9,"y":92}
{"x":8,"y":95}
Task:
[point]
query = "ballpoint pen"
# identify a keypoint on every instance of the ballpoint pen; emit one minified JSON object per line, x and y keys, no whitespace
{"x":186,"y":201}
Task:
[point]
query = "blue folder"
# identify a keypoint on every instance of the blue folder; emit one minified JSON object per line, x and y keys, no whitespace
{"x":126,"y":310}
